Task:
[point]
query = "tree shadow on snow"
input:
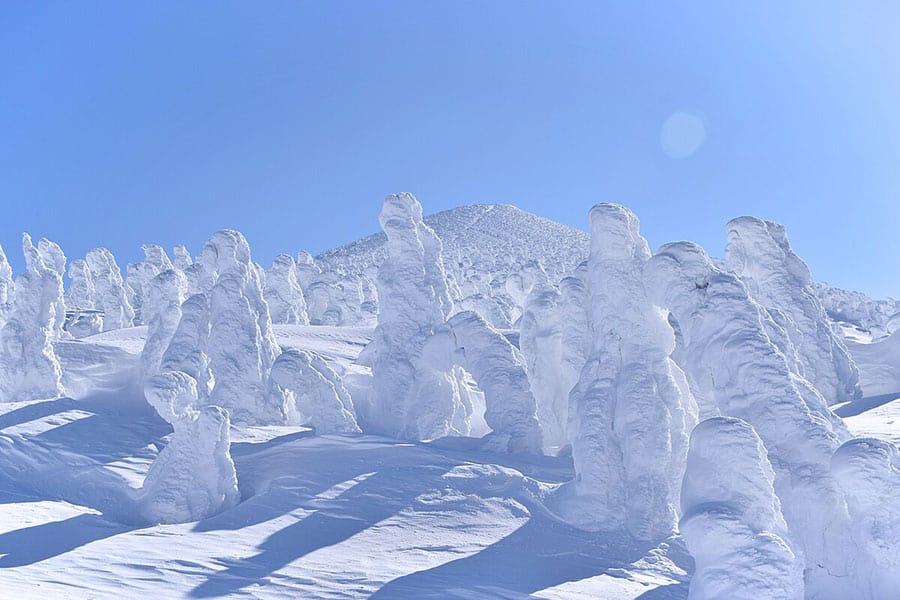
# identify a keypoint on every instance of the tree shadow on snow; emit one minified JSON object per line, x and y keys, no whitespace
{"x":30,"y":545}
{"x":858,"y":407}
{"x":371,"y":500}
{"x":541,"y":554}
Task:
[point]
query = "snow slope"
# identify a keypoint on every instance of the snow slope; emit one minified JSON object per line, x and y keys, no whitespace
{"x":321,"y":516}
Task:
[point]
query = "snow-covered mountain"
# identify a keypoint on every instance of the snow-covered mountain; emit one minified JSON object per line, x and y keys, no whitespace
{"x":482,"y":403}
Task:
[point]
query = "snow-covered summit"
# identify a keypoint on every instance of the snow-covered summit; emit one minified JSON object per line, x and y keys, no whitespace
{"x":504,"y":230}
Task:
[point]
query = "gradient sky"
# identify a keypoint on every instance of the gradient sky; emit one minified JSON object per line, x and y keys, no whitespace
{"x":124,"y":123}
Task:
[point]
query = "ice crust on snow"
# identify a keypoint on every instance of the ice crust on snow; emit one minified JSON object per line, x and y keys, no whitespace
{"x":732,"y":521}
{"x":631,"y":410}
{"x":759,"y":252}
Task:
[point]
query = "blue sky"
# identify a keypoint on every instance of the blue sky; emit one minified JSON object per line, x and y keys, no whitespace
{"x":129,"y":123}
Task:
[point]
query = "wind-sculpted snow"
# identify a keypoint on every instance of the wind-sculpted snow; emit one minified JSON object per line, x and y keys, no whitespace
{"x":284,"y":294}
{"x":759,"y":252}
{"x":732,"y":521}
{"x":631,"y":409}
{"x":162,"y":313}
{"x":193,"y":477}
{"x":868,"y":470}
{"x":29,"y":368}
{"x":317,"y":393}
{"x":109,"y":289}
{"x":499,"y":370}
{"x":735,"y":370}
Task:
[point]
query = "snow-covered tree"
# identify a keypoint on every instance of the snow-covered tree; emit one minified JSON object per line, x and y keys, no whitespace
{"x":284,"y":294}
{"x":735,"y":370}
{"x":110,"y":294}
{"x":162,"y":313}
{"x":631,"y":409}
{"x":413,"y":307}
{"x":317,"y":393}
{"x":759,"y":253}
{"x":193,"y":477}
{"x":732,"y":521}
{"x":29,"y":368}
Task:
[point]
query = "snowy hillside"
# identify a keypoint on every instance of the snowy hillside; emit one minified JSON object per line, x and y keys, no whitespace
{"x":478,"y":404}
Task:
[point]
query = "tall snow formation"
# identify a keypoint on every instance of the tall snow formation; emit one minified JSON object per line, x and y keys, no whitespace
{"x":54,"y":267}
{"x":732,"y":522}
{"x":7,"y":290}
{"x":181,"y":258}
{"x":499,"y":369}
{"x":868,"y":470}
{"x":80,"y":293}
{"x":415,"y":393}
{"x":193,"y":477}
{"x":29,"y":368}
{"x":735,"y":370}
{"x":109,"y":289}
{"x":316,"y":392}
{"x":187,"y":350}
{"x":631,"y":409}
{"x":284,"y":294}
{"x":137,"y":275}
{"x":241,"y":345}
{"x":555,"y":338}
{"x":759,"y":253}
{"x":162,"y":313}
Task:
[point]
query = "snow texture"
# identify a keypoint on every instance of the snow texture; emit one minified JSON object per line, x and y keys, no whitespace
{"x":759,"y":252}
{"x":317,"y":393}
{"x":631,"y":409}
{"x":732,"y":521}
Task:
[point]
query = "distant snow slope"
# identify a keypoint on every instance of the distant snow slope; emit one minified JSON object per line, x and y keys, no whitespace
{"x":498,"y":233}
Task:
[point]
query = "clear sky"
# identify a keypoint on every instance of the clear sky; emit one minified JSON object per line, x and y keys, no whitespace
{"x":124,"y":123}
